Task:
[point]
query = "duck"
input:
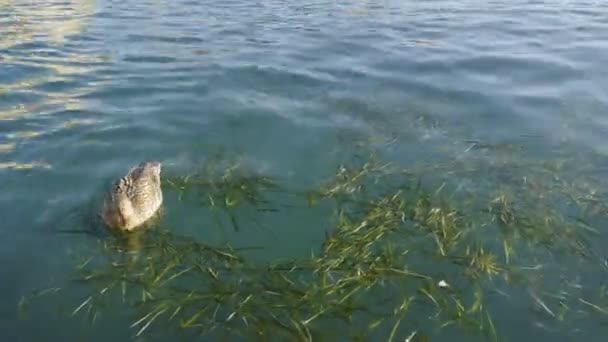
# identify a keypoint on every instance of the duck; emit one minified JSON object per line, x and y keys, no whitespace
{"x":134,"y":198}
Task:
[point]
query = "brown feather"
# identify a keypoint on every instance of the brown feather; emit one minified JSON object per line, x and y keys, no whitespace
{"x":134,"y":198}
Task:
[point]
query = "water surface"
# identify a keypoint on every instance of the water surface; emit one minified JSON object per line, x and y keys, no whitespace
{"x":90,"y":88}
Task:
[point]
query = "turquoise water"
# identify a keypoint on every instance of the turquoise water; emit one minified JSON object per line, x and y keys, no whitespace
{"x":90,"y":88}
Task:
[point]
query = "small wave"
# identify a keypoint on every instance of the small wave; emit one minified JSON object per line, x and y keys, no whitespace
{"x":149,"y":59}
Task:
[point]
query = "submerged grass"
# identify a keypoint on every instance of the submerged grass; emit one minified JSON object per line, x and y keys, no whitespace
{"x":405,"y":260}
{"x":226,"y":189}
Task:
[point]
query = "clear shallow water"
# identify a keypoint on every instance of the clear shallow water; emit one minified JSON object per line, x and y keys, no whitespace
{"x":89,"y":88}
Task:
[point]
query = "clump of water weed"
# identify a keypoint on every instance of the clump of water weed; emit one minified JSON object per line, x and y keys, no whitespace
{"x":225,"y":190}
{"x":399,"y":251}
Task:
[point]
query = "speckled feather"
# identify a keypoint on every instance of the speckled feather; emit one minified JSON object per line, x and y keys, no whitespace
{"x":134,"y":198}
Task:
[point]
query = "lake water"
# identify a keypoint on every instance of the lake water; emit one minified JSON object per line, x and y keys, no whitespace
{"x":90,"y":88}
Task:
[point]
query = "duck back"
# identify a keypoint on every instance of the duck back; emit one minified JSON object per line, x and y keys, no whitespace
{"x":134,"y":198}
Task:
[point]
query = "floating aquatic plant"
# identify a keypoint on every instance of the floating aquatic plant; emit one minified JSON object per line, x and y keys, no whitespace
{"x":226,"y":189}
{"x":399,"y":249}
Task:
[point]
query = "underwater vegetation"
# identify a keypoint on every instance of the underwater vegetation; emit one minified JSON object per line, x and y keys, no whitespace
{"x":406,"y":257}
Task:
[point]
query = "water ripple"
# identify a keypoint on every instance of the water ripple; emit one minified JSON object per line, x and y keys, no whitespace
{"x":88,"y":88}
